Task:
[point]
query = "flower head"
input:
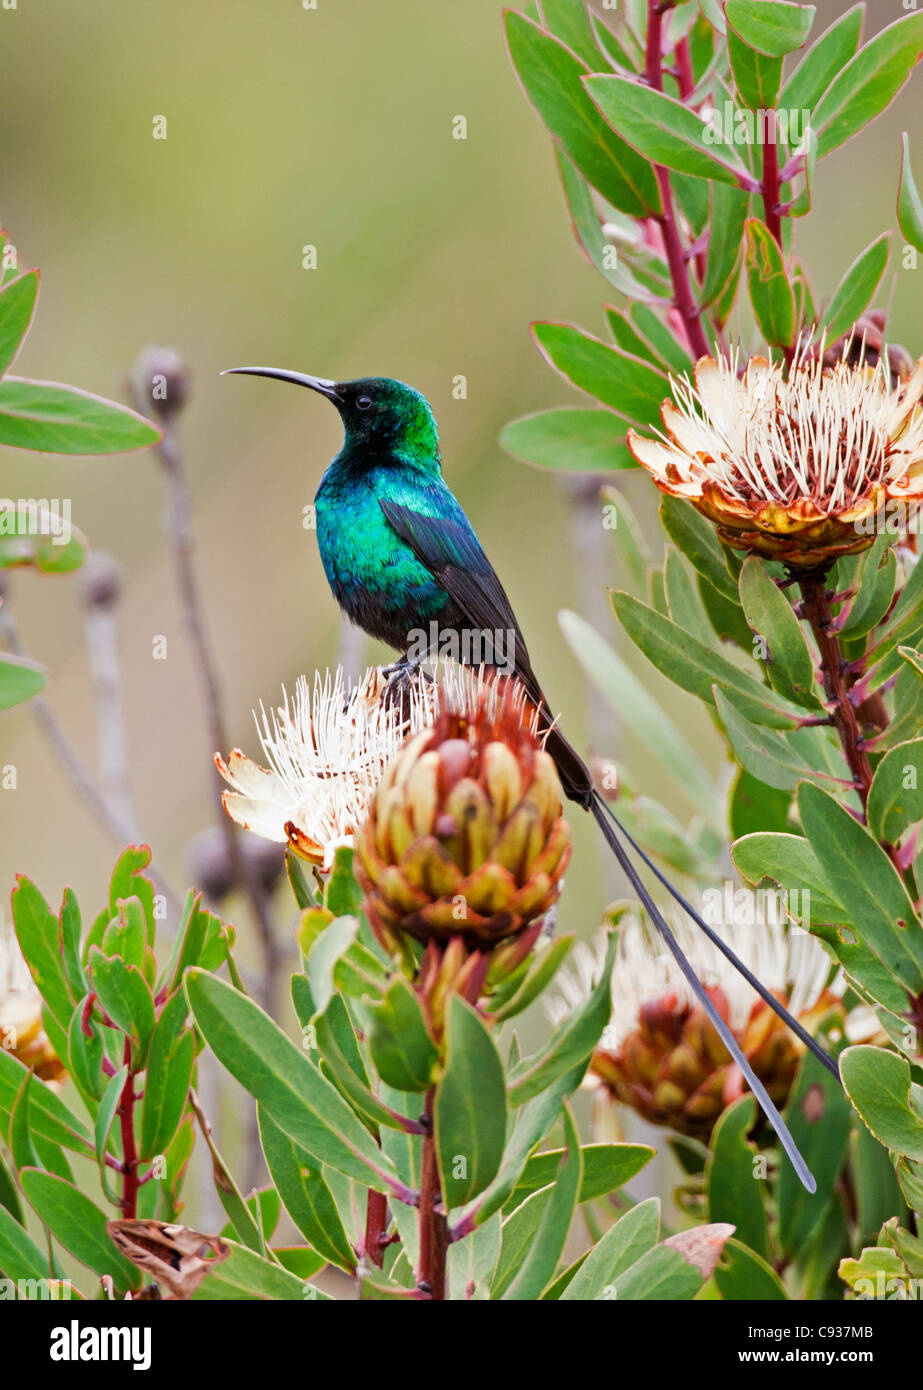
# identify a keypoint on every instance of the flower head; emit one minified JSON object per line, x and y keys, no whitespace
{"x":326,"y":750}
{"x":660,"y":1055}
{"x":21,"y":1030}
{"x":465,"y":835}
{"x":791,"y":463}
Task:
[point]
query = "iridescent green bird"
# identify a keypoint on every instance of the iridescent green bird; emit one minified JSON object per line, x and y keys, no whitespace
{"x":405,"y":565}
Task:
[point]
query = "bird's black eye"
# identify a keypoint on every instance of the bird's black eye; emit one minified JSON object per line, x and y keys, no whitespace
{"x":363,"y":402}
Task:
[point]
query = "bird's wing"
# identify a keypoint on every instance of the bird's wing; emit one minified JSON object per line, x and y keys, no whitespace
{"x":452,"y":553}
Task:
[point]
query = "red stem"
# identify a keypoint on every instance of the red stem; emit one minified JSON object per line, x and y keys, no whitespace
{"x":434,"y":1236}
{"x":126,"y":1113}
{"x":770,"y":187}
{"x":376,"y":1221}
{"x":676,"y":260}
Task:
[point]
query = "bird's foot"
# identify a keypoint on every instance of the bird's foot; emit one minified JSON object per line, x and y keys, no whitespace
{"x":401,"y":677}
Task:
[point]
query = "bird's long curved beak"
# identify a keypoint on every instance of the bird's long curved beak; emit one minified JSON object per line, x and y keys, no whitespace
{"x":315,"y":383}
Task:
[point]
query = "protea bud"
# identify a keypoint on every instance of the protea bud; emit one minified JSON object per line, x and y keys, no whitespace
{"x":660,"y":1055}
{"x":675,"y":1070}
{"x":465,"y":835}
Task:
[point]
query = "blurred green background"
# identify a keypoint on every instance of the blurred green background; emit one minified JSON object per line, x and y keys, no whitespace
{"x":287,"y":127}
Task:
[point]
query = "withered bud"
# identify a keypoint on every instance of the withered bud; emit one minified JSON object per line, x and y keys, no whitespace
{"x":101,"y":579}
{"x":161,"y":381}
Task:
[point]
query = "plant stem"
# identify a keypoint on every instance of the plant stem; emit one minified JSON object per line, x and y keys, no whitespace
{"x":376,"y":1220}
{"x":434,"y":1236}
{"x":126,"y":1113}
{"x":770,"y":187}
{"x":684,"y":299}
{"x":816,"y":609}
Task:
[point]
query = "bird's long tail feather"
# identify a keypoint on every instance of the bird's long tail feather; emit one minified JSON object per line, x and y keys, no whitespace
{"x":601,"y":814}
{"x":778,"y":1008}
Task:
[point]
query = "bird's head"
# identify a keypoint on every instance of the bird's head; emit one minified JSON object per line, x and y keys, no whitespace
{"x":377,"y":412}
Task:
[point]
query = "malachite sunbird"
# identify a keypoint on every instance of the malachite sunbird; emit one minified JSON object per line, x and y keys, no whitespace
{"x":405,"y":565}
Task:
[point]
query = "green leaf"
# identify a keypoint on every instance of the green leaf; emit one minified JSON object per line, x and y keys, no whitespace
{"x":909,"y":203}
{"x":665,"y":131}
{"x":769,"y":614}
{"x":105,"y":1116}
{"x":400,"y":1042}
{"x":695,"y":537}
{"x":20,"y":680}
{"x":770,"y":26}
{"x":852,"y":295}
{"x":817,"y":1114}
{"x":306,"y":1197}
{"x":663,"y":1274}
{"x":17,"y":305}
{"x":896,"y":796}
{"x":126,"y":934}
{"x":48,"y":1114}
{"x":245,"y":1275}
{"x":633,"y":269}
{"x":571,"y":1043}
{"x":293,"y":1092}
{"x":694,"y":666}
{"x":734,"y":1192}
{"x":343,"y":896}
{"x":244,"y":1219}
{"x":20,"y":1257}
{"x":729,"y":208}
{"x":765,"y":754}
{"x":545,"y":1249}
{"x":878,"y":1083}
{"x":536,"y":980}
{"x":36,"y":535}
{"x":868,"y":83}
{"x":756,"y":77}
{"x":591,"y":441}
{"x":826,"y":57}
{"x":633,"y":1235}
{"x":743,"y":1275}
{"x":126,"y":997}
{"x":756,"y":806}
{"x":321,"y":960}
{"x":863,"y":876}
{"x":471,"y":1261}
{"x":470,"y":1111}
{"x":128,"y":881}
{"x":878,"y":1194}
{"x":37,"y":933}
{"x":627,"y":384}
{"x":567,"y":20}
{"x":78,"y":1224}
{"x":59,"y":419}
{"x":551,"y":78}
{"x":637,"y":707}
{"x":534,"y":1122}
{"x":770,"y":289}
{"x":606,"y":1167}
{"x":169,"y":1075}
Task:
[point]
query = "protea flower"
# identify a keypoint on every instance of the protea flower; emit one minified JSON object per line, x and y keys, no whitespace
{"x":795,"y":464}
{"x":21,"y":1030}
{"x":660,"y":1055}
{"x":465,"y":835}
{"x":326,"y":753}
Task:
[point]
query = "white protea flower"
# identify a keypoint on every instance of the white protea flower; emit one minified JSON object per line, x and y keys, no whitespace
{"x":326,"y":749}
{"x":21,"y":1030}
{"x":795,"y":463}
{"x":659,"y":1053}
